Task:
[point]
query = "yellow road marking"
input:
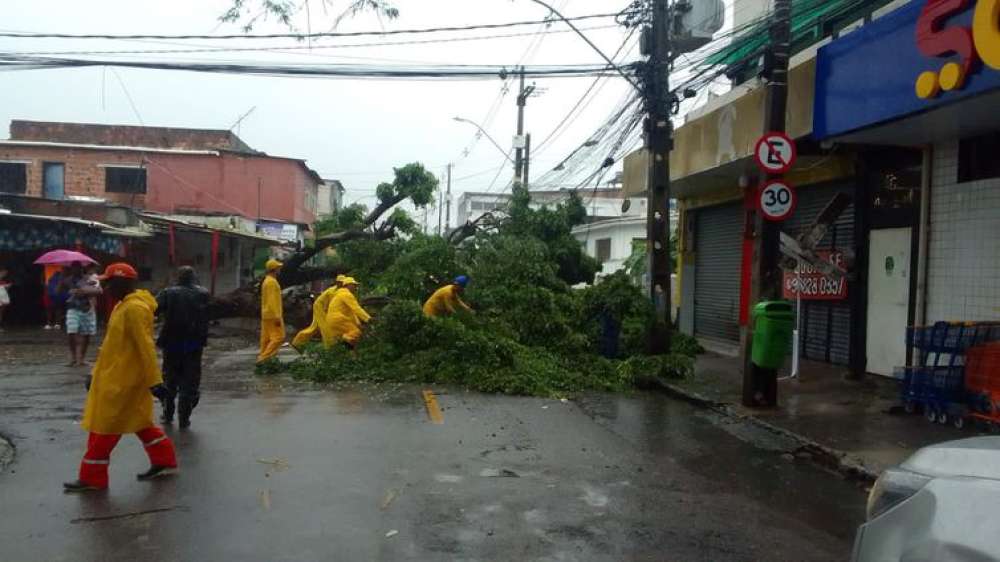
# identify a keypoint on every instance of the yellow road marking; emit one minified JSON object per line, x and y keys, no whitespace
{"x":433,"y":410}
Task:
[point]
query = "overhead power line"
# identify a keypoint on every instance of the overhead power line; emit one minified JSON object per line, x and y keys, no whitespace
{"x":201,"y":50}
{"x":319,"y":71}
{"x":33,"y":35}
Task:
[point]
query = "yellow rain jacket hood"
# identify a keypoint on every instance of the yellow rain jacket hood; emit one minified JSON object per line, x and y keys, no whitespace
{"x":119,"y":400}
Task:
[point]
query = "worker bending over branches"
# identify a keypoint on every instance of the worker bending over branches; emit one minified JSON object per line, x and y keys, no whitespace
{"x":345,"y":316}
{"x":448,"y":299}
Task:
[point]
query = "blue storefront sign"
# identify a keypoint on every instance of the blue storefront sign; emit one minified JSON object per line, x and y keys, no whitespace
{"x":905,"y":63}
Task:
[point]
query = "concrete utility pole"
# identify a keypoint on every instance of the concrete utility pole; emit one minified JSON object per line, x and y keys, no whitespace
{"x":760,"y":388}
{"x":447,"y":216}
{"x":440,"y":211}
{"x":659,"y":129}
{"x":527,"y":160}
{"x":524,"y":92}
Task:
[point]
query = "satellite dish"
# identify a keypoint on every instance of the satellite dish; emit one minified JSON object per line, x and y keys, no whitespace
{"x":626,"y":205}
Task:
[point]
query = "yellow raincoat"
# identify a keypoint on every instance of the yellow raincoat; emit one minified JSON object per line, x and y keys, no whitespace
{"x":320,"y":307}
{"x":119,"y":400}
{"x":444,"y":302}
{"x":272,"y":319}
{"x":344,"y":318}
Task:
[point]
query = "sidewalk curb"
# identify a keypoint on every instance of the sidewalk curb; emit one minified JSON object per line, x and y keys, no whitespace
{"x":849,"y":466}
{"x":7,"y":451}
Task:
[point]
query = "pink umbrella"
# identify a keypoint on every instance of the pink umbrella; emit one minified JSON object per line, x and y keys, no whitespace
{"x":63,"y":257}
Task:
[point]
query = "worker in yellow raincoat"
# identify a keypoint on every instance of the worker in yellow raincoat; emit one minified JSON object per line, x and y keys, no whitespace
{"x":320,"y":307}
{"x":272,"y":315}
{"x":448,"y":299}
{"x":122,"y":386}
{"x":345,"y":316}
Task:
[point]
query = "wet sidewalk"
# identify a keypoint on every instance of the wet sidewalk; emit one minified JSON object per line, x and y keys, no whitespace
{"x":860,"y":419}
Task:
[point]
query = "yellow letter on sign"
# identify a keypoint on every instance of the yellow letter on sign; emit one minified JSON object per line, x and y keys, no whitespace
{"x":986,"y":31}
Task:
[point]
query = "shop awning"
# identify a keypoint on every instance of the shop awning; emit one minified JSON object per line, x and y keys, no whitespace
{"x":162,"y":223}
{"x":20,"y":232}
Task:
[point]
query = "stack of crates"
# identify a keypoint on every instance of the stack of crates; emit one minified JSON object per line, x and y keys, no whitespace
{"x":982,"y":384}
{"x":936,"y":384}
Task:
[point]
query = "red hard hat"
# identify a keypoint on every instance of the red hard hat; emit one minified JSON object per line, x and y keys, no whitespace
{"x":120,"y":270}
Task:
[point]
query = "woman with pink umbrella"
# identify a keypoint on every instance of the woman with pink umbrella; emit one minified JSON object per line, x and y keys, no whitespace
{"x":82,"y":288}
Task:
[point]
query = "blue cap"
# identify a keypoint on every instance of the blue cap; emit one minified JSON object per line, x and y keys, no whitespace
{"x":462,"y":281}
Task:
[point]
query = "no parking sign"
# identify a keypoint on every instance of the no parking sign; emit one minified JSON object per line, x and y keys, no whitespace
{"x":775,"y":153}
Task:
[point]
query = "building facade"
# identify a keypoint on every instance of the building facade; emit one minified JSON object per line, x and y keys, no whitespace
{"x":600,"y":203}
{"x":176,"y":171}
{"x":612,"y":242}
{"x":716,"y":182}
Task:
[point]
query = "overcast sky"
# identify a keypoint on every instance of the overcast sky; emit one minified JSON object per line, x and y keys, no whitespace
{"x":351,"y":130}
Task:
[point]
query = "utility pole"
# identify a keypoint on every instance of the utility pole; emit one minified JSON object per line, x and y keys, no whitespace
{"x":447,"y":219}
{"x":760,"y":387}
{"x":527,"y":160}
{"x":659,"y":130}
{"x":524,"y":92}
{"x":440,"y":210}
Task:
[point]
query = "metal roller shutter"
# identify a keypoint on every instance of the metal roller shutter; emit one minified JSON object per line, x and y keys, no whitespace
{"x":826,"y":325}
{"x":718,"y":245}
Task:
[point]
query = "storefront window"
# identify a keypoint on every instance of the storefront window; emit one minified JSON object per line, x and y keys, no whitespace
{"x":977,"y":158}
{"x":893,"y":187}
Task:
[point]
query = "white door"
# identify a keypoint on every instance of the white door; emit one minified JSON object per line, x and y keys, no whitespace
{"x":888,"y":298}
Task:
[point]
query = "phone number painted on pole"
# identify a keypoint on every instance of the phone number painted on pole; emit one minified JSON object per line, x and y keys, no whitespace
{"x":777,"y":201}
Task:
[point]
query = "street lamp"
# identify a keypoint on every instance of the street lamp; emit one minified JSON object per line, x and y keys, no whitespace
{"x":487,"y":135}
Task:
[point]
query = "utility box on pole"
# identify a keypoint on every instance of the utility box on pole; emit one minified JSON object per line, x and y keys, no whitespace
{"x":696,"y":23}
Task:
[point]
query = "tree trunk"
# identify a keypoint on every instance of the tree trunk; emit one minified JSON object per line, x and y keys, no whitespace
{"x":245,"y":302}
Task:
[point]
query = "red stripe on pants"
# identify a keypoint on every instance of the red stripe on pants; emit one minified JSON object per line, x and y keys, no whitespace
{"x":94,"y":467}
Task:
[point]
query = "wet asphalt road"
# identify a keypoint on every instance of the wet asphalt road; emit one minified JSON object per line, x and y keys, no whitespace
{"x":361,"y":474}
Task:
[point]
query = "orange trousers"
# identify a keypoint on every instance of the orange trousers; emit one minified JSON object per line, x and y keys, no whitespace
{"x":94,"y":467}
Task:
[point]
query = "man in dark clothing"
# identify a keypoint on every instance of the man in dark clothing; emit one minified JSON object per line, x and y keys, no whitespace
{"x":184,"y":311}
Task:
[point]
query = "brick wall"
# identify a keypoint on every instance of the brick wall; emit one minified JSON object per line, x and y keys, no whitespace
{"x":83,"y":172}
{"x":124,"y":135}
{"x":964,"y":245}
{"x":179,"y":183}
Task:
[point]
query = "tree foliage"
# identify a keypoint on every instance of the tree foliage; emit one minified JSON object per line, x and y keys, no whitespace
{"x":248,"y":13}
{"x":532,"y":333}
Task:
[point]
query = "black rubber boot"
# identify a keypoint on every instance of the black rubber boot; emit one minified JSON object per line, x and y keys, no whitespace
{"x":168,"y":411}
{"x":78,"y":487}
{"x":156,"y":472}
{"x":184,"y":409}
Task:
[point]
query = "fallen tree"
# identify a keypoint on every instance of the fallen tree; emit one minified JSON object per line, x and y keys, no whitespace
{"x":532,"y":332}
{"x":412,"y":183}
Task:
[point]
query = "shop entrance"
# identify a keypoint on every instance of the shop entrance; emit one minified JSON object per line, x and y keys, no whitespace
{"x":889,"y":258}
{"x":893,"y":190}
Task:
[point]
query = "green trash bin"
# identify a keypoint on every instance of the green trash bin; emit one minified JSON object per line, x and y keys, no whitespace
{"x":773,"y":324}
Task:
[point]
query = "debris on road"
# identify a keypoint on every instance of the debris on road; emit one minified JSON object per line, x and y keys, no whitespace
{"x":391,"y":534}
{"x":279,"y":464}
{"x":128,"y":515}
{"x":390,"y":495}
{"x":498,"y":473}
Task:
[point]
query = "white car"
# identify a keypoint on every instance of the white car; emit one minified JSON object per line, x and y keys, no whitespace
{"x":941,"y":505}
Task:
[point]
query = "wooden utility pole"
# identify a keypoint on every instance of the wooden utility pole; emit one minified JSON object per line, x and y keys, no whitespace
{"x":760,"y":388}
{"x":659,"y":130}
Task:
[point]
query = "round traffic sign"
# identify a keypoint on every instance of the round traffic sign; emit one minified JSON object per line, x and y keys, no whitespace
{"x":775,"y":153}
{"x":777,"y":201}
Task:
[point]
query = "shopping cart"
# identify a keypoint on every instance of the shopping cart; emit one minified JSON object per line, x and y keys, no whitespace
{"x":936,"y":383}
{"x":982,"y":384}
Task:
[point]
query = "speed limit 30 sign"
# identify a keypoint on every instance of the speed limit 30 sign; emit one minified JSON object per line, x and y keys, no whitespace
{"x":775,"y":153}
{"x":777,"y":201}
